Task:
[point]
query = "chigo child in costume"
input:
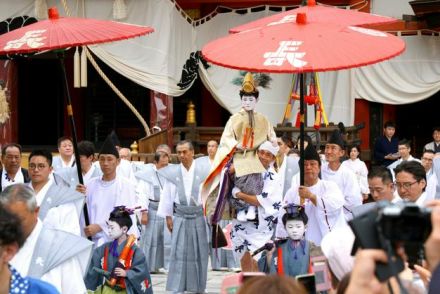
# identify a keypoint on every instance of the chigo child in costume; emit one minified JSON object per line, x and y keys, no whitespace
{"x":119,"y":266}
{"x":292,"y":256}
{"x":250,"y":130}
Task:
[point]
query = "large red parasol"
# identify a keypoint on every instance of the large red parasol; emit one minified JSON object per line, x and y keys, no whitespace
{"x":64,"y":32}
{"x":300,"y":47}
{"x":317,"y":13}
{"x":296,"y":48}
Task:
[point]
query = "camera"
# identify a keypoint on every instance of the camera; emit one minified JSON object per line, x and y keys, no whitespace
{"x":389,"y":225}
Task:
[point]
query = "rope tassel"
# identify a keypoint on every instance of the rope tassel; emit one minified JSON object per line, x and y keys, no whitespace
{"x":40,"y":9}
{"x":76,"y":69}
{"x":83,"y":68}
{"x":119,"y":9}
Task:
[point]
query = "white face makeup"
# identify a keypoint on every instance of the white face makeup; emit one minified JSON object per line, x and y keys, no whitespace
{"x":248,"y":102}
{"x":295,"y":229}
{"x":114,"y":230}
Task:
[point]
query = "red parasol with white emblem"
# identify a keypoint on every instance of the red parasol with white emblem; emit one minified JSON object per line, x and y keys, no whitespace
{"x":64,"y":32}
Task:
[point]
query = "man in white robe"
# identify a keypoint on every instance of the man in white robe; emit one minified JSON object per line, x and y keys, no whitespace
{"x":323,"y":200}
{"x":181,"y":205}
{"x":59,"y":206}
{"x":149,"y":190}
{"x":106,"y":192}
{"x":69,"y":176}
{"x":249,"y":235}
{"x":66,"y":157}
{"x":54,"y":256}
{"x":334,"y":171}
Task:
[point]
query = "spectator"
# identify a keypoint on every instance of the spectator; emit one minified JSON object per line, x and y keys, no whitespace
{"x":359,"y":168}
{"x":404,"y":148}
{"x":12,"y":173}
{"x":385,"y":148}
{"x":381,"y":187}
{"x":411,"y":182}
{"x":434,"y":145}
{"x":272,"y":284}
{"x":212,"y":147}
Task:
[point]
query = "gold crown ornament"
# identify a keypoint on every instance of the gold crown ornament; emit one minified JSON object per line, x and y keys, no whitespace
{"x":248,"y":85}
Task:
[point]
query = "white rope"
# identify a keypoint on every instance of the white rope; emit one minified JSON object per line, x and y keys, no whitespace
{"x":120,"y":95}
{"x":107,"y":80}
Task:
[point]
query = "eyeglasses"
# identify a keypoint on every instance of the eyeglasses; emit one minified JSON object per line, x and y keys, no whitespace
{"x":39,"y":166}
{"x":405,"y":186}
{"x":427,"y":159}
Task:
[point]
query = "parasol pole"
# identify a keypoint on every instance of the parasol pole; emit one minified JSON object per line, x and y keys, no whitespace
{"x":73,"y":129}
{"x":301,"y":128}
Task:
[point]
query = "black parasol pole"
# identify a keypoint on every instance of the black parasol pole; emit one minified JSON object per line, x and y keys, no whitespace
{"x":73,"y":129}
{"x":301,"y":128}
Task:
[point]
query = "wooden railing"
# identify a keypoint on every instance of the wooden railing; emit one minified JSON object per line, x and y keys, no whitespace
{"x":201,"y":135}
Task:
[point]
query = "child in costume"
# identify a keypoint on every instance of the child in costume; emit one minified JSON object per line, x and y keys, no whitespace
{"x":247,"y":130}
{"x":292,"y":255}
{"x":119,"y":266}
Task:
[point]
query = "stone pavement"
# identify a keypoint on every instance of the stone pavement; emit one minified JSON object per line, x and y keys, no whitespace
{"x":212,"y":286}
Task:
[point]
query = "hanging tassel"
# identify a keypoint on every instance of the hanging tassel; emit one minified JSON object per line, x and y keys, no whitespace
{"x":40,"y":9}
{"x":4,"y":106}
{"x":119,"y":9}
{"x":318,"y":117}
{"x":298,"y":119}
{"x":76,"y":69}
{"x":83,"y":67}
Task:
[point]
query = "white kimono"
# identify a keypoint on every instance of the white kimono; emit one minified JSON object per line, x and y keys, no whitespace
{"x":64,"y":217}
{"x":102,"y":197}
{"x":393,"y":165}
{"x":58,"y":163}
{"x":67,"y":277}
{"x":324,"y":217}
{"x":251,"y":235}
{"x":348,"y":185}
{"x":360,"y":170}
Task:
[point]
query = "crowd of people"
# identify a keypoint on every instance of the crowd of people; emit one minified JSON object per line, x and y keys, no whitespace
{"x":109,"y":230}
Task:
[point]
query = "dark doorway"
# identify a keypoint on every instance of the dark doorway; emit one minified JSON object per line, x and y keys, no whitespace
{"x":105,"y":111}
{"x":415,"y":121}
{"x":40,"y":101}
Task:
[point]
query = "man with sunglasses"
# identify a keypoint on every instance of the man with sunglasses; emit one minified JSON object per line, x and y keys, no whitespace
{"x":411,"y":182}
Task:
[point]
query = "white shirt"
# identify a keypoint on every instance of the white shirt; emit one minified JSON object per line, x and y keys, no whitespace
{"x":347,"y":183}
{"x":188,"y":178}
{"x":102,"y":197}
{"x":126,"y":170}
{"x":325,"y":216}
{"x":170,"y":195}
{"x":7,"y":182}
{"x":88,"y":175}
{"x":64,"y":217}
{"x":22,"y":259}
{"x":359,"y":168}
{"x":393,"y":165}
{"x":66,"y":277}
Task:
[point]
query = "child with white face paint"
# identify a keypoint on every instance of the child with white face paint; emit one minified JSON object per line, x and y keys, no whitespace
{"x":131,"y":272}
{"x":295,"y":252}
{"x":251,"y":183}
